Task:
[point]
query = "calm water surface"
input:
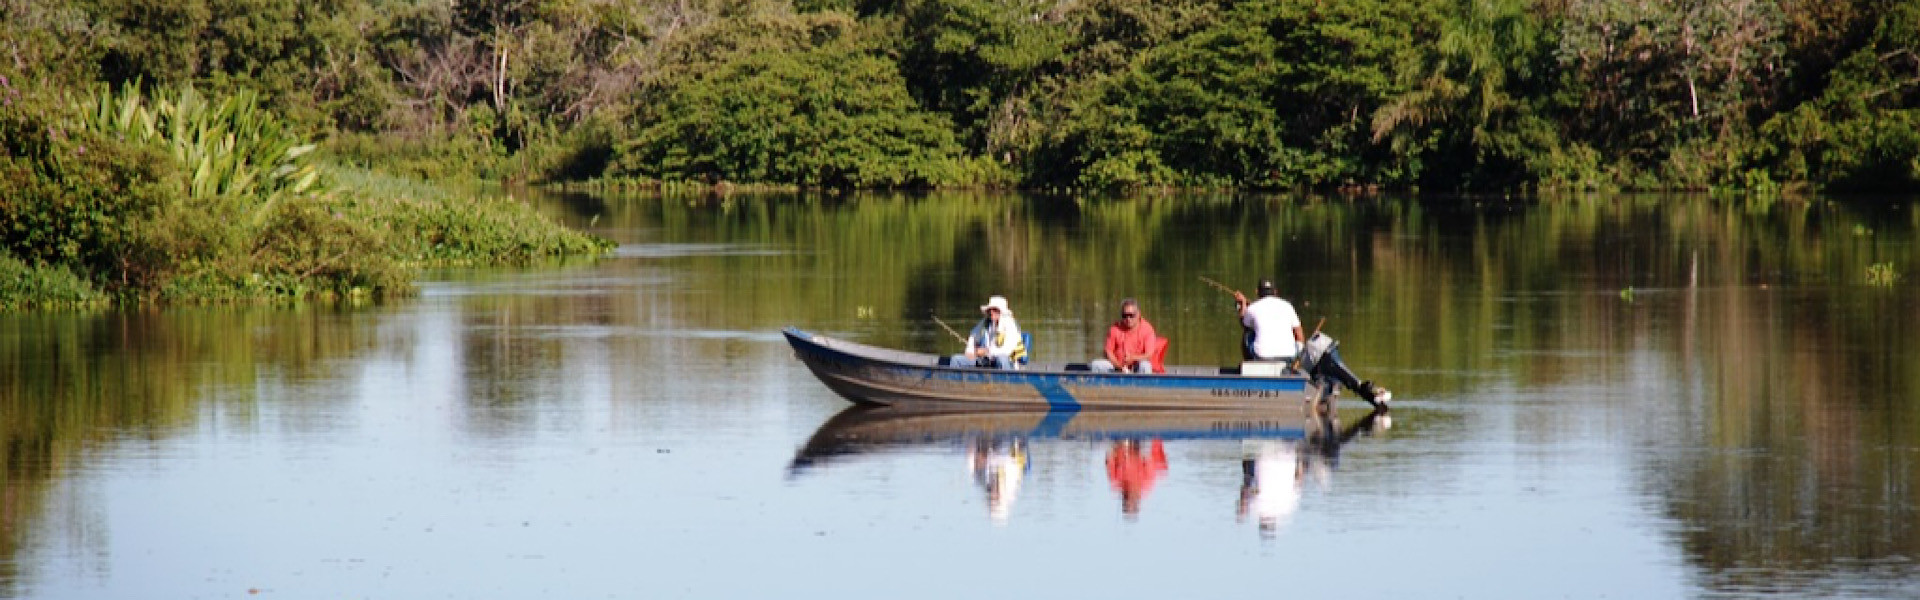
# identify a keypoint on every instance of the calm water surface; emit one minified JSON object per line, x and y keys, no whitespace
{"x":1616,"y":397}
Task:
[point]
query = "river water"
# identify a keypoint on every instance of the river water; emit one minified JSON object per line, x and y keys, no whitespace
{"x":1605,"y":397}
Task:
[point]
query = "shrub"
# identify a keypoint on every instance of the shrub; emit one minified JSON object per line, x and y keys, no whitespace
{"x":78,"y":198}
{"x":49,"y":286}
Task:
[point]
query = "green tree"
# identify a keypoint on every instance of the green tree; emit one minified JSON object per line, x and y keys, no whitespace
{"x":966,"y":57}
{"x":825,"y":112}
{"x":1469,"y":114}
{"x":1670,"y":88}
{"x":1270,"y":94}
{"x":1863,"y":131}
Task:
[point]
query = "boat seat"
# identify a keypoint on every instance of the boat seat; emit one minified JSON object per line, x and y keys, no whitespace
{"x":1266,"y":368}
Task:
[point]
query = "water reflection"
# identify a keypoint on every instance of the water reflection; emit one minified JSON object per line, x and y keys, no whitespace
{"x":998,"y":445}
{"x":1274,"y":473}
{"x":998,"y":465}
{"x":864,"y":430}
{"x":1715,"y":384}
{"x":1132,"y":470}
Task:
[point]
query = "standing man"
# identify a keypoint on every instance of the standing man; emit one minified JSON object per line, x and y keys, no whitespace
{"x":1130,"y":343}
{"x":1273,"y":328}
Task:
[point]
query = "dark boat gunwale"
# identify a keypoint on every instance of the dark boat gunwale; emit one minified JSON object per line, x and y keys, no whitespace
{"x":922,"y":360}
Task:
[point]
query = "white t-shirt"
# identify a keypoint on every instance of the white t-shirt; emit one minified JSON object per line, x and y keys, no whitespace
{"x":1273,"y":321}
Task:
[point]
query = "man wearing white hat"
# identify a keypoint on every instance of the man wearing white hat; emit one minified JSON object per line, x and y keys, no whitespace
{"x":995,"y":341}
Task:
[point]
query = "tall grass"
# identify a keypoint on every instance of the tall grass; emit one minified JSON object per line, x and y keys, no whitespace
{"x":428,"y":224}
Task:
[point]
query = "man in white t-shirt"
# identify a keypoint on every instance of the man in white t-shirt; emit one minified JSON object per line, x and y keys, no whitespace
{"x":1273,"y":328}
{"x":1274,"y":333}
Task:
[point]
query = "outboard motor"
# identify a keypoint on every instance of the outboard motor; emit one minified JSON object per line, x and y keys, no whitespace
{"x":1312,"y":356}
{"x":1316,"y":349}
{"x":1319,"y":362}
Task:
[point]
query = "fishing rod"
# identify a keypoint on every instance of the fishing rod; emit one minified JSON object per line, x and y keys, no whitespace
{"x":1220,"y":286}
{"x":943,"y":325}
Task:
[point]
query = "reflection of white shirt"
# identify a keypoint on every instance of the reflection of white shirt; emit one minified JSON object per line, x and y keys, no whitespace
{"x":1000,"y":472}
{"x":1273,"y":321}
{"x":1276,"y":484}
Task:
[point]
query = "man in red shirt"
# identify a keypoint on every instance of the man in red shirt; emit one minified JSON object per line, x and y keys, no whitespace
{"x":1130,"y":343}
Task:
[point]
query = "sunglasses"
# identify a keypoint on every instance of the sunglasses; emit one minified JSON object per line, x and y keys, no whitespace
{"x":1129,"y":315}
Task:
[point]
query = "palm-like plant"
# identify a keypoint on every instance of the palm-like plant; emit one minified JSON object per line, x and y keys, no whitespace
{"x":231,"y":147}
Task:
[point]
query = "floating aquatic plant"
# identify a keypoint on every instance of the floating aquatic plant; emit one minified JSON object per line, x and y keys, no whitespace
{"x":1882,"y":274}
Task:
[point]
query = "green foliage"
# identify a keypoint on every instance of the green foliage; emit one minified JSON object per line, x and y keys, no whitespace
{"x":828,"y":114}
{"x":1863,"y":132}
{"x":231,"y":147}
{"x":1882,"y":274}
{"x":188,"y":198}
{"x":150,"y":40}
{"x":1441,"y":94}
{"x":48,"y":43}
{"x":417,"y":223}
{"x":43,"y":286}
{"x":962,"y":57}
{"x":1273,"y":94}
{"x":79,"y":198}
{"x":1670,"y":88}
{"x":1470,"y":114}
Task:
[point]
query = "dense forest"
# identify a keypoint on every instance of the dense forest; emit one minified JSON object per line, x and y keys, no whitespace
{"x":1438,"y":95}
{"x":212,"y":148}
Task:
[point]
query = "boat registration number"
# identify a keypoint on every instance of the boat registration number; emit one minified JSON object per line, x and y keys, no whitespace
{"x":1224,"y":393}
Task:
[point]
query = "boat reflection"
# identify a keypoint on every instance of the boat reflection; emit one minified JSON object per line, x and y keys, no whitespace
{"x":1281,"y":449}
{"x":863,"y":430}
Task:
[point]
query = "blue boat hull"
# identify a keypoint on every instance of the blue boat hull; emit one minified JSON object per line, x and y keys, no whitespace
{"x":880,"y":376}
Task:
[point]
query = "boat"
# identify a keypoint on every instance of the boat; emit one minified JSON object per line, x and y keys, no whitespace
{"x":873,"y":375}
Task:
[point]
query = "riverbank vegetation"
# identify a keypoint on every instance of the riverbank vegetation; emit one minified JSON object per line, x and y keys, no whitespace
{"x":1439,"y":95}
{"x":1766,"y":97}
{"x":176,"y":196}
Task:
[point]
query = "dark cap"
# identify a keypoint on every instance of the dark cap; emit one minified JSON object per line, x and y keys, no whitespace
{"x":1266,"y":288}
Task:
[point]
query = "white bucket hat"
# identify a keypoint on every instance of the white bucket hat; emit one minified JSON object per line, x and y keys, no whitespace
{"x":999,"y":302}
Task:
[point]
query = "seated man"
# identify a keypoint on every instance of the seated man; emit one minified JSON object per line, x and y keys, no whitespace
{"x":1274,"y":333}
{"x":995,"y":341}
{"x":1273,"y":328}
{"x":1130,"y":343}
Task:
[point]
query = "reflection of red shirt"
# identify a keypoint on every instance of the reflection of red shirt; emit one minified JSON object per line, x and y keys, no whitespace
{"x":1123,"y":345}
{"x":1132,"y":472}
